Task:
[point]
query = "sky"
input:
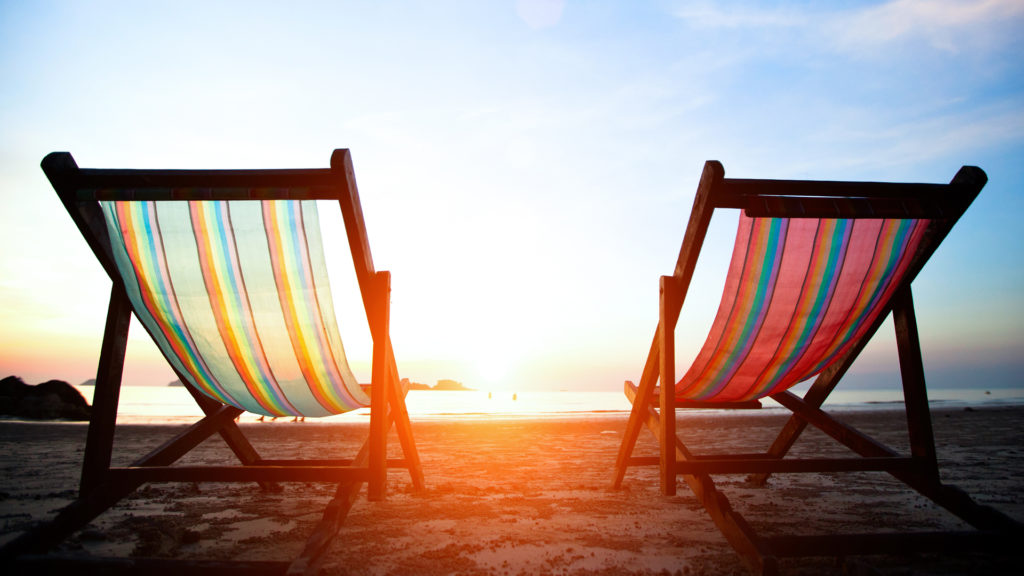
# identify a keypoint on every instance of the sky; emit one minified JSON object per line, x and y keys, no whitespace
{"x":526,"y":167}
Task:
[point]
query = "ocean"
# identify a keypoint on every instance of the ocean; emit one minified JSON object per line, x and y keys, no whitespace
{"x":173,"y":404}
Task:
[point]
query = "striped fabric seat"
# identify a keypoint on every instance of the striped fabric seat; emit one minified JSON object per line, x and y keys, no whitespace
{"x":237,"y":298}
{"x":798,"y":294}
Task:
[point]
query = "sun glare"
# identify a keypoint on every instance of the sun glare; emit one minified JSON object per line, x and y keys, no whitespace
{"x":493,"y":371}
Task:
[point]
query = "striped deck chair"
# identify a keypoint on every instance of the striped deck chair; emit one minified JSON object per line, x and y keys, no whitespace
{"x":816,"y":269}
{"x":225,"y":270}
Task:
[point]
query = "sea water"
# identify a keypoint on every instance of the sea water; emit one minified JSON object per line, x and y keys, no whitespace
{"x":173,"y":404}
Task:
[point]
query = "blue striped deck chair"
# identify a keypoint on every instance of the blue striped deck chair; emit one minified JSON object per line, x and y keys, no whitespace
{"x":225,"y":270}
{"x":816,"y":269}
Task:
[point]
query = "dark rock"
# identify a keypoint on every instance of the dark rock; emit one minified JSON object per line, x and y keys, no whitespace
{"x":50,"y":400}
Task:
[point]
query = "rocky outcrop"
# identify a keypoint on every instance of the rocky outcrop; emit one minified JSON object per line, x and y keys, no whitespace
{"x":51,"y":400}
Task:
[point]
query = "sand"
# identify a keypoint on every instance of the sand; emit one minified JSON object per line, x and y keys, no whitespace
{"x":527,"y":496}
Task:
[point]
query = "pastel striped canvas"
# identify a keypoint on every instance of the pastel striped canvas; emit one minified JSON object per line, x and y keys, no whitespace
{"x":236,"y":296}
{"x":799,"y":293}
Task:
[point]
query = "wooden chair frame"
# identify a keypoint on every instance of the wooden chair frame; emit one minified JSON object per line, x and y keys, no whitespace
{"x":103,"y":485}
{"x":655,"y":406}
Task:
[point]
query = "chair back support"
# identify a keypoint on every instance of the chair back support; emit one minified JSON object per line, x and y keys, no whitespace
{"x":236,"y":296}
{"x":799,"y":293}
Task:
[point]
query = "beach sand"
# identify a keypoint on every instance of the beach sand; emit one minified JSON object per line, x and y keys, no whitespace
{"x":522,"y":496}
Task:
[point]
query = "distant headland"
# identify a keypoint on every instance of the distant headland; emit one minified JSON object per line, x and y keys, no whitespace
{"x":442,"y":385}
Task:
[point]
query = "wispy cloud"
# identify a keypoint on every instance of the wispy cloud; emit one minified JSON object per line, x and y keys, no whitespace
{"x":716,"y":15}
{"x":948,"y":26}
{"x":945,"y":25}
{"x":540,"y":13}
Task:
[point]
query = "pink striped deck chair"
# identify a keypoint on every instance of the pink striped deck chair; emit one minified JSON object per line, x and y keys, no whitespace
{"x":816,"y":269}
{"x":225,"y":270}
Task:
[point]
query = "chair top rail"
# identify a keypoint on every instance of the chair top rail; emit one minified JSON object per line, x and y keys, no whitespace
{"x":830,"y":188}
{"x":90,"y":184}
{"x":99,"y":184}
{"x":833,"y":199}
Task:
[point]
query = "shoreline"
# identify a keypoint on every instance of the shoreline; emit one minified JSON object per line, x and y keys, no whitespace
{"x":361,"y":417}
{"x":519,"y":496}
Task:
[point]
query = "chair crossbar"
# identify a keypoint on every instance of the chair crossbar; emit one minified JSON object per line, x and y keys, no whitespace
{"x":728,"y":464}
{"x":891,"y":543}
{"x":391,"y":462}
{"x":67,"y":564}
{"x":257,"y":473}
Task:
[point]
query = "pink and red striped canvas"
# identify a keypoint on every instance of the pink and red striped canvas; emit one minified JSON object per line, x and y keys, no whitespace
{"x":798,"y":294}
{"x":236,"y":296}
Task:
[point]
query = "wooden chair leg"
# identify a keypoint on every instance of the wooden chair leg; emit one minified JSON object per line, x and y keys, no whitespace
{"x":380,"y":388}
{"x":403,"y":427}
{"x":666,"y":398}
{"x":308,"y":563}
{"x":915,"y":394}
{"x":99,"y":443}
{"x":730,"y":523}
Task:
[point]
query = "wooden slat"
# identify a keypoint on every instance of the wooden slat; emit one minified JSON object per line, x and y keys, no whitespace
{"x":66,"y":564}
{"x":205,"y":193}
{"x":140,"y":474}
{"x":697,"y":405}
{"x":392,"y":462}
{"x":403,"y":426}
{"x":893,"y":543}
{"x":794,"y":465}
{"x":751,"y":187}
{"x":106,"y":179}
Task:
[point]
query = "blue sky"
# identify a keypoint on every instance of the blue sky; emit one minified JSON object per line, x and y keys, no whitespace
{"x":526,"y":168}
